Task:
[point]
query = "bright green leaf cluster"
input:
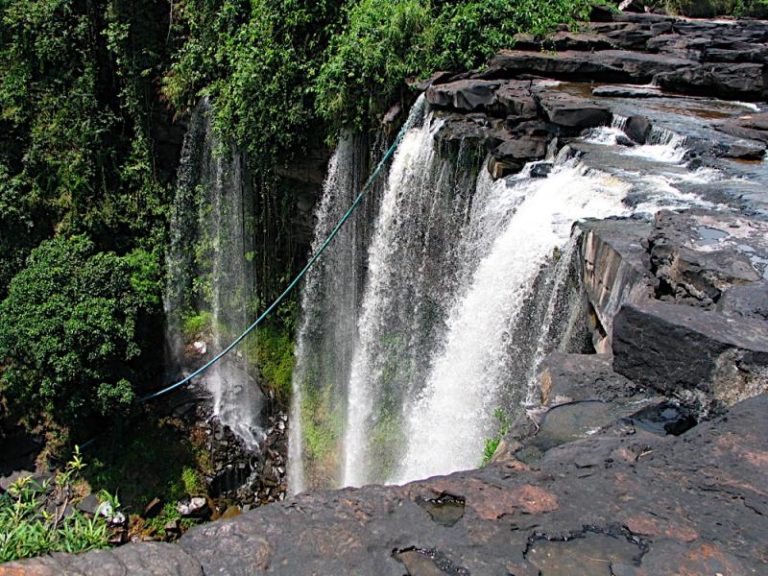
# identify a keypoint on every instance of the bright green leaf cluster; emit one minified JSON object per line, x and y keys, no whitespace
{"x":69,"y":329}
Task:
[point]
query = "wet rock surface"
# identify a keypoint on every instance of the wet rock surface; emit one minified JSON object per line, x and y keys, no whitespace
{"x":614,"y":503}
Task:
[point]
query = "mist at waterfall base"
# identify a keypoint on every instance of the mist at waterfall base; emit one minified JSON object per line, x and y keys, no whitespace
{"x":413,"y":335}
{"x":210,"y":276}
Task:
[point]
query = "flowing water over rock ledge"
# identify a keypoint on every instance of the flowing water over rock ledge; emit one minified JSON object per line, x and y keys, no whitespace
{"x":647,"y":458}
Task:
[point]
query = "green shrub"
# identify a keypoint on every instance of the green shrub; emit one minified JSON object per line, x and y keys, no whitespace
{"x":69,"y":330}
{"x":271,"y":349}
{"x":370,"y":60}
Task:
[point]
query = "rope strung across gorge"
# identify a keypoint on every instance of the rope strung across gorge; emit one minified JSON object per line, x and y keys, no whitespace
{"x":315,"y":257}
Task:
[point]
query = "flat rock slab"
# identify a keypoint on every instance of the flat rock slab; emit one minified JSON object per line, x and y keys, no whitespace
{"x":147,"y":559}
{"x":743,"y":80}
{"x":681,"y":350}
{"x":565,"y":378}
{"x":605,"y":65}
{"x":616,"y":504}
{"x":748,"y":126}
{"x":698,"y":254}
{"x":574,"y":113}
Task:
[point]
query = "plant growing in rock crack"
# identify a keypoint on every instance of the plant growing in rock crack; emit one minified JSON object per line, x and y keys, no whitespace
{"x":491,"y":444}
{"x":37,"y":517}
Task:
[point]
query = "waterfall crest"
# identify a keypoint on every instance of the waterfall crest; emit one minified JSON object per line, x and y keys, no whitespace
{"x":415,"y":332}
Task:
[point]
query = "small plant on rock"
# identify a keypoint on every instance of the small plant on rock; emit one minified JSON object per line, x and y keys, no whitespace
{"x":491,"y":444}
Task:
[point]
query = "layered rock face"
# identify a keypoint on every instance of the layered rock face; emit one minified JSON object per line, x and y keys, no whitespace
{"x":681,"y":303}
{"x":645,"y":458}
{"x":515,"y":110}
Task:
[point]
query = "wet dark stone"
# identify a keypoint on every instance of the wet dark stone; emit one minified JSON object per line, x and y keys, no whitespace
{"x":638,"y":128}
{"x":465,"y":95}
{"x":541,"y":169}
{"x":674,"y":349}
{"x":750,"y":127}
{"x":665,"y":418}
{"x":89,"y":504}
{"x":623,"y":91}
{"x":445,"y":509}
{"x":591,"y":553}
{"x":741,"y":150}
{"x":574,"y":113}
{"x":153,"y":508}
{"x":747,"y":301}
{"x":697,"y":254}
{"x":428,"y":562}
{"x":731,"y":80}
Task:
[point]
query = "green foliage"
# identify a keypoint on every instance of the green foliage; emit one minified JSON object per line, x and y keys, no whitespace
{"x":321,"y":424}
{"x":271,"y":349}
{"x":30,"y":526}
{"x":384,"y":42}
{"x":150,"y":460}
{"x":466,"y":34}
{"x":712,"y":8}
{"x":68,"y":330}
{"x":195,"y":324}
{"x":257,"y":60}
{"x":386,"y":442}
{"x":491,"y":444}
{"x":369,"y":61}
{"x":194,"y":483}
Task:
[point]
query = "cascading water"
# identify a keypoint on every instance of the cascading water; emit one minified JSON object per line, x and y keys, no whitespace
{"x":211,"y":280}
{"x":476,"y":360}
{"x":326,"y":337}
{"x":469,"y":283}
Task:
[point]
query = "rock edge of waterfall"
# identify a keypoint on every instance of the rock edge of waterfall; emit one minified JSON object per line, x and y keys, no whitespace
{"x":646,"y":458}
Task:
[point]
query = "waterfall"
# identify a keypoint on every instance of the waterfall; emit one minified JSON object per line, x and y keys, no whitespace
{"x":211,"y":280}
{"x":326,"y":338}
{"x":450,"y":419}
{"x":414,"y":333}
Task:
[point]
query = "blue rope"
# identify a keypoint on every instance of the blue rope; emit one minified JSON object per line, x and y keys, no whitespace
{"x":315,"y":257}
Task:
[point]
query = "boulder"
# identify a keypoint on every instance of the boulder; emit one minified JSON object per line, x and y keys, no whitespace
{"x":465,"y":95}
{"x":751,"y":127}
{"x":515,"y":98}
{"x":740,"y":150}
{"x":745,"y":301}
{"x":728,"y":80}
{"x":697,"y":254}
{"x":458,"y":131}
{"x":514,"y":154}
{"x":681,"y":350}
{"x":638,"y":128}
{"x":565,"y":378}
{"x":574,"y":113}
{"x":541,"y":169}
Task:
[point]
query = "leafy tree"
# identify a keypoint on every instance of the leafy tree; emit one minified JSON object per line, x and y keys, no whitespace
{"x":69,"y":330}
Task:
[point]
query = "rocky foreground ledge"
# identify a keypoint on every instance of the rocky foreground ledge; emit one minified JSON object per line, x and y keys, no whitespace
{"x":619,"y":503}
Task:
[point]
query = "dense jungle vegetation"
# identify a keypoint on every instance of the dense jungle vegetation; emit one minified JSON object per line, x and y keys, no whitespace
{"x":91,"y":95}
{"x":88,"y":92}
